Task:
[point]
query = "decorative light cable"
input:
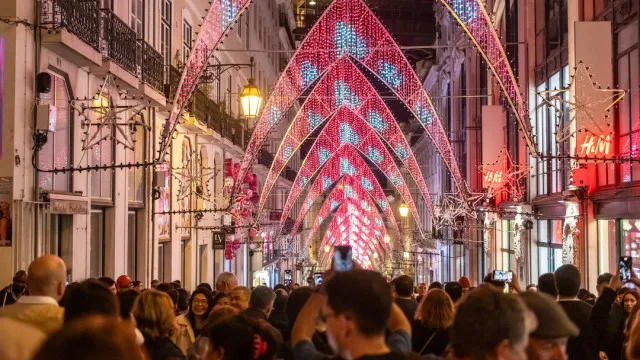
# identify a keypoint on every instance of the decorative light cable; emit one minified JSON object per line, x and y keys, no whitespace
{"x":318,"y":108}
{"x":476,"y":22}
{"x":218,"y":20}
{"x":349,"y":28}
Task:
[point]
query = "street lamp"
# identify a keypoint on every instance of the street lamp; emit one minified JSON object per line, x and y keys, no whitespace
{"x":404,"y":210}
{"x":406,"y":255}
{"x":251,"y":100}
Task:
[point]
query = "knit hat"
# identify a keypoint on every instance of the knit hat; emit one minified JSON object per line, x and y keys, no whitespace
{"x":464,"y":282}
{"x":553,"y":321}
{"x":123,"y":281}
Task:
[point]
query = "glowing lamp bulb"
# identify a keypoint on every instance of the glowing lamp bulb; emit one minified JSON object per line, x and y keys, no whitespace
{"x":404,"y":210}
{"x":327,"y":248}
{"x":375,"y":255}
{"x":406,"y":255}
{"x":387,"y":238}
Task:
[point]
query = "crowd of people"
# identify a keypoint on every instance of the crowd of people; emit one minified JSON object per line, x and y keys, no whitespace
{"x":355,"y":314}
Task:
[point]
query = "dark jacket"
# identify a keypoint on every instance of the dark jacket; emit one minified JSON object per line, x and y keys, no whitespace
{"x":278,"y":319}
{"x":420,"y":335}
{"x":253,"y":315}
{"x":7,"y":297}
{"x":608,"y":324}
{"x":584,"y":346}
{"x":162,"y":349}
{"x":408,"y":307}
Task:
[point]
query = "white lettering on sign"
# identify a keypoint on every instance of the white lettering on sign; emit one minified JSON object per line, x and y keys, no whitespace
{"x":595,"y":146}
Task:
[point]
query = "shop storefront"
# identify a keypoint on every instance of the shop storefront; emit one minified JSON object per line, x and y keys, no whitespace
{"x":618,"y":232}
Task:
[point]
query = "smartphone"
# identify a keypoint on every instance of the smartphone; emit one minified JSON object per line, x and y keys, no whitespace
{"x":342,"y":258}
{"x":287,"y":277}
{"x":317,"y":278}
{"x":502,"y":275}
{"x":624,"y":266}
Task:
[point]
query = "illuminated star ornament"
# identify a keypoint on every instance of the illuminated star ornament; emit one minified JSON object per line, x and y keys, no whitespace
{"x":589,"y":108}
{"x":504,"y":176}
{"x":453,"y":210}
{"x":100,"y":113}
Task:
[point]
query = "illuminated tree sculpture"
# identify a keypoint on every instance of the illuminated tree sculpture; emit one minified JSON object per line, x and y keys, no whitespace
{"x":218,"y":20}
{"x":339,"y":81}
{"x":345,"y":133}
{"x":349,"y":28}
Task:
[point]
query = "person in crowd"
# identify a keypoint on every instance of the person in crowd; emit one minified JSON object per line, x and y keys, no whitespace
{"x":606,"y":322}
{"x":422,"y":291}
{"x":549,"y":339}
{"x":586,"y":296}
{"x":281,"y":287}
{"x":126,"y":299}
{"x":198,"y":350}
{"x":90,"y":298}
{"x":465,"y":284}
{"x":183,"y":302}
{"x":620,"y":295}
{"x":67,"y":291}
{"x":191,"y":324}
{"x":237,"y":339}
{"x":632,"y":348}
{"x":629,"y":300}
{"x":137,"y":285}
{"x":221,"y":299}
{"x":454,"y":290}
{"x":19,"y":340}
{"x":11,"y":293}
{"x":177,"y":284}
{"x":583,"y":346}
{"x":532,"y":288}
{"x":154,"y":313}
{"x":547,"y":284}
{"x":206,"y":286}
{"x":226,"y":282}
{"x":436,"y":285}
{"x":155,"y":283}
{"x":403,"y":289}
{"x":358,"y":310}
{"x":95,"y":337}
{"x":430,"y":329}
{"x":123,"y":283}
{"x":260,"y":304}
{"x":110,"y":283}
{"x":602,"y":282}
{"x":490,"y":325}
{"x":295,"y":286}
{"x":219,"y":313}
{"x":240,"y":297}
{"x":278,"y":317}
{"x":46,"y":278}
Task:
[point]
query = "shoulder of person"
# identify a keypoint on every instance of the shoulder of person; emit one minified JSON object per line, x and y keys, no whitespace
{"x":183,"y":320}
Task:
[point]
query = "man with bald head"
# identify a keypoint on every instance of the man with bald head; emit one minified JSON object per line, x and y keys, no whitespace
{"x":46,"y":284}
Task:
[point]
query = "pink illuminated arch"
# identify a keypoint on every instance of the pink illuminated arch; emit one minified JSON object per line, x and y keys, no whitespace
{"x":218,"y":20}
{"x":343,"y":134}
{"x":366,"y":102}
{"x":349,"y":28}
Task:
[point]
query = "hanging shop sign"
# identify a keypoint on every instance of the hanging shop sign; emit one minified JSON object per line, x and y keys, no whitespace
{"x":219,"y":240}
{"x":68,"y":204}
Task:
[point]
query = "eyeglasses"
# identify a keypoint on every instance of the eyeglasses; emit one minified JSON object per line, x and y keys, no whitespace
{"x":200,"y":302}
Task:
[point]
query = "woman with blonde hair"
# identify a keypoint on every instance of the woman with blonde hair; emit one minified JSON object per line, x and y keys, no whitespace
{"x":154,"y":313}
{"x":430,"y":328}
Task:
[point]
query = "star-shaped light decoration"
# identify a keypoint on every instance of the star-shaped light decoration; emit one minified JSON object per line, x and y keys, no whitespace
{"x":100,"y":112}
{"x":504,"y":176}
{"x":451,"y":209}
{"x":194,"y":183}
{"x":588,"y":106}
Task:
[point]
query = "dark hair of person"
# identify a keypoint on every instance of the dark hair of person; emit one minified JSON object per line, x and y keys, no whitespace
{"x":89,"y":298}
{"x":454,"y":290}
{"x":436,"y":285}
{"x":107,"y":281}
{"x":567,"y":280}
{"x":261,"y":297}
{"x":281,"y":286}
{"x":177,"y":284}
{"x":206,"y":286}
{"x":173,"y":295}
{"x":93,"y":337}
{"x":20,"y":274}
{"x":633,"y":293}
{"x":586,"y":296}
{"x":218,"y":297}
{"x":531,"y":286}
{"x":363,"y":295}
{"x":67,"y":292}
{"x":183,"y":300}
{"x":236,"y":337}
{"x":296,"y":301}
{"x":404,"y":285}
{"x":127,"y":299}
{"x":488,"y":279}
{"x":604,"y":278}
{"x":485,"y":318}
{"x":622,"y":291}
{"x":280,"y":302}
{"x":547,"y":284}
{"x":630,"y":320}
{"x":207,"y":295}
{"x":136,"y":283}
{"x":165,"y":287}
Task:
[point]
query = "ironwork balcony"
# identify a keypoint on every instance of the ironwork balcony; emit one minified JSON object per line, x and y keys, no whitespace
{"x":120,"y":42}
{"x":171,"y":81}
{"x":152,"y":67}
{"x":79,"y":17}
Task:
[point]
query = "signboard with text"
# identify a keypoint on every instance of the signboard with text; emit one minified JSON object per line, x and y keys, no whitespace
{"x":219,"y":240}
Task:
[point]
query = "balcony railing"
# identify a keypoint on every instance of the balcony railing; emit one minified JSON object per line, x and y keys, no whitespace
{"x":171,"y":81}
{"x":120,"y":42}
{"x":152,"y":67}
{"x":79,"y":17}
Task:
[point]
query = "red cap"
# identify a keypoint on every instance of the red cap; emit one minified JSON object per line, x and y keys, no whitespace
{"x":123,"y":281}
{"x":464,"y":282}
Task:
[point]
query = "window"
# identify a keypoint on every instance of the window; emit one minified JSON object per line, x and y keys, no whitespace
{"x":132,"y":245}
{"x":631,"y":241}
{"x":165,"y":33}
{"x":96,"y":253}
{"x":506,"y":244}
{"x":549,"y":245}
{"x":629,"y":109}
{"x":203,"y":255}
{"x":56,"y":153}
{"x":137,"y":11}
{"x":136,"y":175}
{"x":607,"y":240}
{"x":101,"y":153}
{"x":187,"y":37}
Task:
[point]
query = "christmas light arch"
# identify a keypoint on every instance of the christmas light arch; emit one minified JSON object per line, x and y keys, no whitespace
{"x":347,"y":136}
{"x":476,"y":22}
{"x":218,"y":20}
{"x":363,"y":183}
{"x":365,"y":101}
{"x":349,"y":28}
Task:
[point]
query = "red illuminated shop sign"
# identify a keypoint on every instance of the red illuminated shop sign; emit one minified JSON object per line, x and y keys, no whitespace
{"x":493,"y":178}
{"x":595,"y":146}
